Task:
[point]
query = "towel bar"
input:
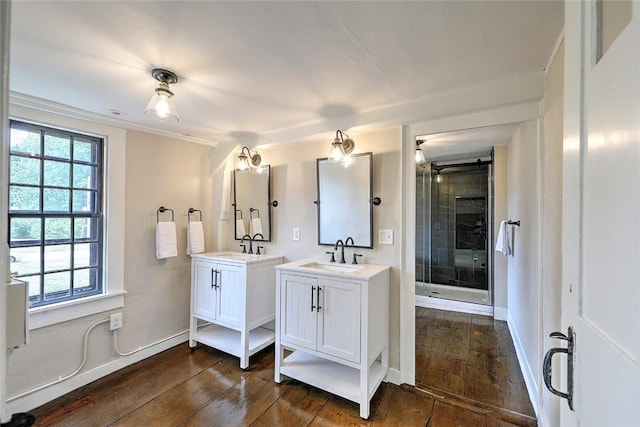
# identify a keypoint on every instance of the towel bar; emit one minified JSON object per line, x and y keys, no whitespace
{"x":192,"y":210}
{"x":162,"y":209}
{"x":514,"y":222}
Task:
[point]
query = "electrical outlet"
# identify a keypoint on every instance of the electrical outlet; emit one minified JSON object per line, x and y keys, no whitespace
{"x":385,"y":237}
{"x":296,"y":233}
{"x":115,"y":321}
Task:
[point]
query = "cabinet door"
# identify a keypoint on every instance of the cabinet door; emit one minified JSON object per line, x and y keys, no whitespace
{"x":298,"y":310}
{"x":204,"y":293}
{"x":339,"y":319}
{"x":230,"y":294}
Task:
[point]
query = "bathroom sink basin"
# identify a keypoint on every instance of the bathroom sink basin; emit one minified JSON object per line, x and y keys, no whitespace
{"x":336,"y":268}
{"x":237,"y":256}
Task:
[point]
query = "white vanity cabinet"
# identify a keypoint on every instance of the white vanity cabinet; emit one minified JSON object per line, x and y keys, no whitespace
{"x":335,"y":320}
{"x":232,"y":300}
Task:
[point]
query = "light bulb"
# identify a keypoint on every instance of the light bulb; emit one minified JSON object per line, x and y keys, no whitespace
{"x":420,"y":156}
{"x":243,"y":163}
{"x":337,"y":151}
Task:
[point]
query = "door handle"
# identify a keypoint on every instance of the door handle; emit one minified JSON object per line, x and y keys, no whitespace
{"x":546,"y":365}
{"x":313,"y":307}
{"x":212,"y":280}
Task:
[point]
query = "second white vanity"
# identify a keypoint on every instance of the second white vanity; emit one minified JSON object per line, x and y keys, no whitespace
{"x":232,"y":300}
{"x":335,"y":320}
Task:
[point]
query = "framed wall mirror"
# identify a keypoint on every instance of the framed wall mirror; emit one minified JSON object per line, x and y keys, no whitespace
{"x":345,"y":201}
{"x":252,"y":203}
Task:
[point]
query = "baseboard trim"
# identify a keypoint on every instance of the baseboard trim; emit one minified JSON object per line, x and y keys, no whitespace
{"x":500,"y":313}
{"x":525,"y":367}
{"x":394,"y":376}
{"x":449,"y":305}
{"x":33,"y":400}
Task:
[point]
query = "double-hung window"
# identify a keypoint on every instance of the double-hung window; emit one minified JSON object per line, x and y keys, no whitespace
{"x":56,"y":212}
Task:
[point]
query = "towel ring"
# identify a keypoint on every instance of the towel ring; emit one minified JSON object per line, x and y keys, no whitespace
{"x":162,"y":209}
{"x":238,"y":211}
{"x":252,"y":210}
{"x":191,"y":210}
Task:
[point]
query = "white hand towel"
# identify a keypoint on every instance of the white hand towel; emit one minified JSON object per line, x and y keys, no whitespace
{"x":240,"y":228}
{"x":166,"y":240}
{"x":503,"y":241}
{"x":195,"y":238}
{"x":256,"y":226}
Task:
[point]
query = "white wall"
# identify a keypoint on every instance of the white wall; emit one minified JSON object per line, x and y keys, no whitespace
{"x":535,"y":271}
{"x":523,"y":267}
{"x":174,"y":174}
{"x":159,"y":171}
{"x":293,"y":169}
{"x":551,"y":224}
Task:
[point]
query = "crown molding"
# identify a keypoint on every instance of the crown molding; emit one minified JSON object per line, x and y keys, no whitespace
{"x":32,"y":102}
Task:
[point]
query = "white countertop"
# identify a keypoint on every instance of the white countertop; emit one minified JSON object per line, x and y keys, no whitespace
{"x":356,"y":271}
{"x":238,"y":257}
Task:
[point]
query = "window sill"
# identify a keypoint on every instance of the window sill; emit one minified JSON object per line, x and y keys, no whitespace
{"x":41,"y":317}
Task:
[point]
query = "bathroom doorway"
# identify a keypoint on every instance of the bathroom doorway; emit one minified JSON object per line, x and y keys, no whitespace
{"x":453,"y":234}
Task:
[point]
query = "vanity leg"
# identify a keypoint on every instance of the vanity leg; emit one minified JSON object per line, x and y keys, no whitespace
{"x":193,"y":328}
{"x":384,"y":359}
{"x":244,"y":352}
{"x":364,"y":391}
{"x":279,"y":353}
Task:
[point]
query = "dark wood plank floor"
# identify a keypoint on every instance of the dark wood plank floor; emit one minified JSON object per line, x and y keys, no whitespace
{"x":208,"y":388}
{"x":470,"y":359}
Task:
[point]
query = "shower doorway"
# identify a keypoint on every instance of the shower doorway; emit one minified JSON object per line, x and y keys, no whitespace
{"x":453,"y":235}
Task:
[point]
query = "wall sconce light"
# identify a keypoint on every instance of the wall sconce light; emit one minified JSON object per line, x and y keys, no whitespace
{"x":161,"y":105}
{"x":438,"y":178}
{"x":249,"y":161}
{"x":420,"y":160}
{"x":341,"y":149}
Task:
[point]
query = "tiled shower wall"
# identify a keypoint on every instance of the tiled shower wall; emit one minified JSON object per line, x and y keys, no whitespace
{"x":440,"y":199}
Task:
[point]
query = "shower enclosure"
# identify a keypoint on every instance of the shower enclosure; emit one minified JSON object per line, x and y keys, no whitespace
{"x":453,"y":232}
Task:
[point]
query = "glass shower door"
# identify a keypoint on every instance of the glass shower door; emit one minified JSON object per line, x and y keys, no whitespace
{"x":452,"y":238}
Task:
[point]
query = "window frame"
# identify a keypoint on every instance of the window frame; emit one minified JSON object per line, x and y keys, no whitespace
{"x":44,"y":215}
{"x":114,"y":167}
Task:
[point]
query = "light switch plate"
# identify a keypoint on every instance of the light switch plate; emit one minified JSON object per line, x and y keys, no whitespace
{"x":385,"y":237}
{"x":296,"y":233}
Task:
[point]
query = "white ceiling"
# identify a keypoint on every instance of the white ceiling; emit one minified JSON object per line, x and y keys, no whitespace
{"x":466,"y":143}
{"x":248,"y":69}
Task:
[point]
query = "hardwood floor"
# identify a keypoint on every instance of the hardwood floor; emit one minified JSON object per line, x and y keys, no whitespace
{"x":470,"y":359}
{"x":208,"y":388}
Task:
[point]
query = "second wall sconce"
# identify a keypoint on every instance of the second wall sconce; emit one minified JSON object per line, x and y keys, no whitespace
{"x":248,"y":161}
{"x":341,"y":149}
{"x":420,"y":160}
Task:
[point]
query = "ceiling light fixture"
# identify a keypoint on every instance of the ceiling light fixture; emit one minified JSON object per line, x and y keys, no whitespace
{"x":161,"y":105}
{"x":246,"y":162}
{"x":341,"y":149}
{"x":420,"y":160}
{"x":439,"y":178}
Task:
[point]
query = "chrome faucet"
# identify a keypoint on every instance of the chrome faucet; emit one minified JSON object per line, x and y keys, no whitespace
{"x":341,"y":243}
{"x":251,"y":240}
